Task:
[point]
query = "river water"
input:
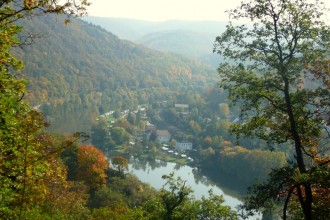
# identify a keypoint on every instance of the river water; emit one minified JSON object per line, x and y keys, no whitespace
{"x":152,"y":172}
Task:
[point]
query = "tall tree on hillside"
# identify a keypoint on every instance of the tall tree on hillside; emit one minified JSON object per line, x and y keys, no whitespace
{"x":22,"y":156}
{"x":281,"y":101}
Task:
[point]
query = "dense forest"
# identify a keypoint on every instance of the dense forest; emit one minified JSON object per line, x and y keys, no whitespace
{"x":77,"y":103}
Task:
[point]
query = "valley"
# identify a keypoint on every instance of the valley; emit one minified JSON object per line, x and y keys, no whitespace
{"x":115,"y":118}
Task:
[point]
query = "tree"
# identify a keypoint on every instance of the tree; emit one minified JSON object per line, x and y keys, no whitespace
{"x":92,"y":166}
{"x":176,"y":202}
{"x":120,"y":163}
{"x":281,"y":100}
{"x":119,"y":135}
{"x":23,"y":157}
{"x":177,"y":195}
{"x":100,"y":135}
{"x":20,"y":156}
{"x":211,"y":208}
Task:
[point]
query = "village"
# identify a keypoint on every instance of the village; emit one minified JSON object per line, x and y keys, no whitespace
{"x":168,"y":143}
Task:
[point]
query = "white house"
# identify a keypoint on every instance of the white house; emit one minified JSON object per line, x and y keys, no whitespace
{"x":183,"y":146}
{"x":163,"y":136}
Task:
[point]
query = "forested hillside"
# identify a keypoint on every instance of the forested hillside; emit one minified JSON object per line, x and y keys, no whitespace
{"x":188,"y":38}
{"x":80,"y":66}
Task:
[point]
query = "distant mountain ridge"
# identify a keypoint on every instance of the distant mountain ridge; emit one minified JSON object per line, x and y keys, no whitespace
{"x":188,"y":43}
{"x":80,"y":66}
{"x":188,"y":38}
{"x":133,"y":30}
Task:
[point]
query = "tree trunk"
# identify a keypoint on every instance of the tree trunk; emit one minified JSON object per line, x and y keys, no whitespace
{"x":305,"y":196}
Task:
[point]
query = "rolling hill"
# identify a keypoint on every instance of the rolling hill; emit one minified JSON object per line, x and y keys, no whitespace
{"x":83,"y":68}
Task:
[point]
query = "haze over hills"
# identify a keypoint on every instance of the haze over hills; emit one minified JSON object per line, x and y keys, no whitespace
{"x":188,"y":43}
{"x":82,"y":67}
{"x":133,"y":30}
{"x":188,"y":38}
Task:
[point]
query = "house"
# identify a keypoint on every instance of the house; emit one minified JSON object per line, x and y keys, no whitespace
{"x":163,"y":136}
{"x":183,"y":146}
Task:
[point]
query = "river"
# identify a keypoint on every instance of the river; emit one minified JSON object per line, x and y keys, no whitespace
{"x":152,"y":172}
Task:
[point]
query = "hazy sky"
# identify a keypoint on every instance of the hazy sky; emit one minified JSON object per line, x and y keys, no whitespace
{"x":160,"y":10}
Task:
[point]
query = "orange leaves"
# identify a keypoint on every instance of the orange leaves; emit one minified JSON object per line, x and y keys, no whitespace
{"x":30,"y":3}
{"x":92,"y":165}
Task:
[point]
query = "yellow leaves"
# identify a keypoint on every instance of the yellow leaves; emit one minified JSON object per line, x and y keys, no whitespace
{"x":30,"y":3}
{"x":314,"y":153}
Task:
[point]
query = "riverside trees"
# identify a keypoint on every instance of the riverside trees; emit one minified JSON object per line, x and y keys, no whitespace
{"x":280,"y":99}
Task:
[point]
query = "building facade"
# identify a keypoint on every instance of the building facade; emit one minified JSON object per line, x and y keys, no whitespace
{"x":181,"y":146}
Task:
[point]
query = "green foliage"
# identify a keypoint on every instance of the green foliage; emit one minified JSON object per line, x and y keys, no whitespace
{"x":246,"y":166}
{"x":119,"y":135}
{"x":175,"y":202}
{"x":175,"y":197}
{"x":210,"y":208}
{"x":134,"y":192}
{"x":108,"y":198}
{"x":100,"y":135}
{"x":24,"y":159}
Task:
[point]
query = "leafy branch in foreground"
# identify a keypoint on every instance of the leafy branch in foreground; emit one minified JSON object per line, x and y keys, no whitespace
{"x":23,"y":166}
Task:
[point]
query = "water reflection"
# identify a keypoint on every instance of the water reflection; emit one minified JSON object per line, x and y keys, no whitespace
{"x":152,"y":171}
{"x":145,"y":164}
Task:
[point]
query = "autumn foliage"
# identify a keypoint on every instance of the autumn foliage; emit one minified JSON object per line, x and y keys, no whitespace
{"x":92,"y":166}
